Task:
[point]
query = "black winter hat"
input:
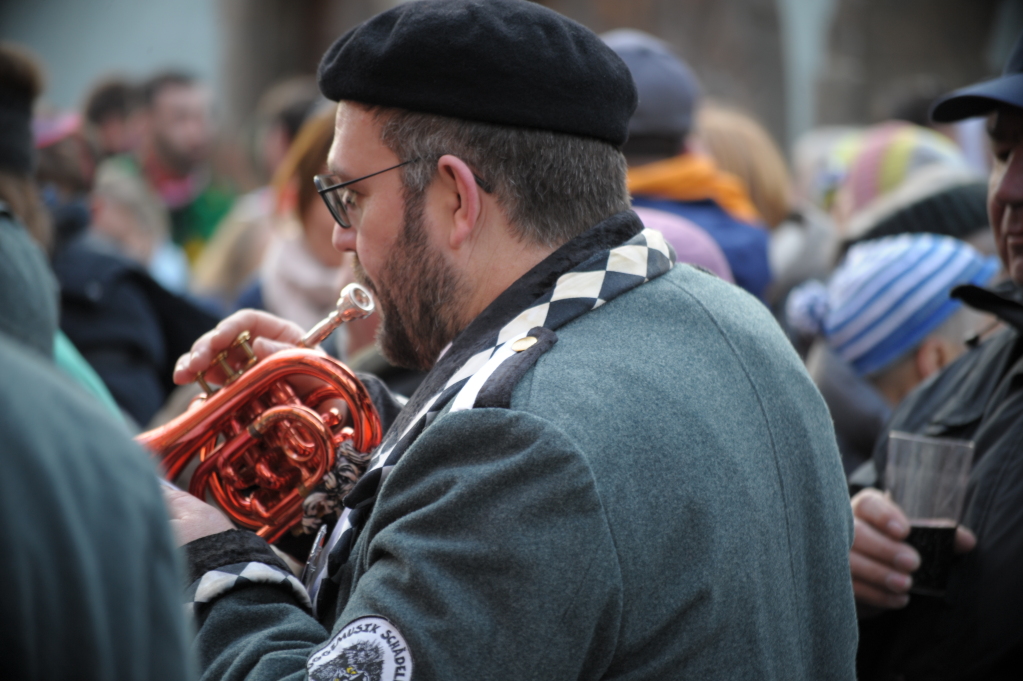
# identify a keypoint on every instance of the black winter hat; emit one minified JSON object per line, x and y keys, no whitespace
{"x":958,"y":211}
{"x":20,"y":83}
{"x":509,"y":62}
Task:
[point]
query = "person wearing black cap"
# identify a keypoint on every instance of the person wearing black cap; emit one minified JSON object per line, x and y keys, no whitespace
{"x":615,"y":468}
{"x":976,"y":630}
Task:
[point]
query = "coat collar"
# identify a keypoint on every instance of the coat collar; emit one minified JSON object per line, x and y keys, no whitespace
{"x":979,"y":374}
{"x":1005,"y":301}
{"x":480,"y":333}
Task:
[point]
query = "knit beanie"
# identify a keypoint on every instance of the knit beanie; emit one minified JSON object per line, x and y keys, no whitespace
{"x":937,"y":199}
{"x":887,"y":296}
{"x":959,"y":211}
{"x":888,"y":154}
{"x":668,"y":90}
{"x":20,"y":84}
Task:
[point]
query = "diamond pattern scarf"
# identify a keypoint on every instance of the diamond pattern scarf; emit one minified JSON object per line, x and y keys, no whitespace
{"x":599,"y":272}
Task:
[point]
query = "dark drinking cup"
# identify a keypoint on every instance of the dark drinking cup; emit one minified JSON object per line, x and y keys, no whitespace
{"x":934,"y":540}
{"x":926,"y":477}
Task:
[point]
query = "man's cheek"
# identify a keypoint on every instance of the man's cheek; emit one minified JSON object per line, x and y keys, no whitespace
{"x":361,"y":276}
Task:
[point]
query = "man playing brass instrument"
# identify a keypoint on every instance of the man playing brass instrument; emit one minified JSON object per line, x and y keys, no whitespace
{"x":616,"y":467}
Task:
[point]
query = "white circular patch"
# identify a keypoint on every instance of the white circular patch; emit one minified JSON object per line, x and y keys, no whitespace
{"x":368,"y":649}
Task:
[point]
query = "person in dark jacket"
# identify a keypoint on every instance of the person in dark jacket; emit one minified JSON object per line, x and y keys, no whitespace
{"x":128,"y":326}
{"x":976,"y":630}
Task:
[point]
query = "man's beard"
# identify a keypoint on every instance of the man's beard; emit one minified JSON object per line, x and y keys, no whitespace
{"x":418,"y":293}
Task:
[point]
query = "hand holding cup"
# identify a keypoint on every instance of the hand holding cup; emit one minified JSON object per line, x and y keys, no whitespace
{"x":906,"y":539}
{"x":881,"y":562}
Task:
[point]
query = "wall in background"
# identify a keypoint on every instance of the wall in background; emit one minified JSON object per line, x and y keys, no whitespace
{"x":80,"y":41}
{"x":792,"y":63}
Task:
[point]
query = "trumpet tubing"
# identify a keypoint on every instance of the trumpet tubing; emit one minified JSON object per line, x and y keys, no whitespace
{"x":261,"y":448}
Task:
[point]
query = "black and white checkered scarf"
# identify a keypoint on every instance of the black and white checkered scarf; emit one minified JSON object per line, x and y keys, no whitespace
{"x":613,"y":257}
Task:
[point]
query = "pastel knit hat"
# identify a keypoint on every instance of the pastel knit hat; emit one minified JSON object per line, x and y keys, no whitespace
{"x":888,"y":154}
{"x":887,"y":296}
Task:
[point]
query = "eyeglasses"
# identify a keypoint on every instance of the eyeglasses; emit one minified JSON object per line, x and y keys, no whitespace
{"x":339,"y":199}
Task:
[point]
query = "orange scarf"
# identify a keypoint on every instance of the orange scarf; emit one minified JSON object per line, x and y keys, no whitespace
{"x":691,"y":177}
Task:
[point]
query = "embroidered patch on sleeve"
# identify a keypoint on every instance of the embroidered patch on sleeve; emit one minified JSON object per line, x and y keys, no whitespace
{"x":368,"y":649}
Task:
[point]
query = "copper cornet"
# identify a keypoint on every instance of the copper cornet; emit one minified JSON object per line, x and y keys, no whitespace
{"x":262,"y":449}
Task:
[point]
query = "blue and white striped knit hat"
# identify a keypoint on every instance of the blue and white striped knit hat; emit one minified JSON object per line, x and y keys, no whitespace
{"x":887,"y":296}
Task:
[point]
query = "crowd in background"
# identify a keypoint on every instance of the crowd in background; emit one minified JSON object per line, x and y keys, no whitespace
{"x":151,"y":245}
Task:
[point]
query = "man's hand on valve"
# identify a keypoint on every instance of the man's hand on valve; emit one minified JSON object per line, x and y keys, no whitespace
{"x":270,"y":334}
{"x":192,"y":518}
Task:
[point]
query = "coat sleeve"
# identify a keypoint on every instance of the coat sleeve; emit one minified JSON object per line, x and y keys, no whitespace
{"x":257,"y":632}
{"x":490,"y":553}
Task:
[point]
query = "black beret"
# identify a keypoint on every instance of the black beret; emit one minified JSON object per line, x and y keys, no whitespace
{"x":21,"y":81}
{"x":510,"y":62}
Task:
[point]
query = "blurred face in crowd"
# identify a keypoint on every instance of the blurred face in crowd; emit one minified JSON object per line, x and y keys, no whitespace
{"x":416,"y":287}
{"x":1005,"y":187}
{"x":181,"y":126}
{"x":121,"y":225}
{"x":273,"y":147}
{"x":121,"y":134}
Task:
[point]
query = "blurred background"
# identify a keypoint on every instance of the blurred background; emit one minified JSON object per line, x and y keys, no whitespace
{"x":177,"y":140}
{"x":793,"y":64}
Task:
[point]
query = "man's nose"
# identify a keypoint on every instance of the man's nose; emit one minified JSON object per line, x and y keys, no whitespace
{"x":343,"y":239}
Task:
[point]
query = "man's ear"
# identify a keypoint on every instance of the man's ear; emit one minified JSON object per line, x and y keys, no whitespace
{"x":465,"y":198}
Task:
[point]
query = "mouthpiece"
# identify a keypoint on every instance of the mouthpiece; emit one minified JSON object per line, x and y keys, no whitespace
{"x":354,"y":303}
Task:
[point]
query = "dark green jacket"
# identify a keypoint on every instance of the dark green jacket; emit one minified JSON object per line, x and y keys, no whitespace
{"x":28,"y":290}
{"x":663,"y":499}
{"x":91,"y":586}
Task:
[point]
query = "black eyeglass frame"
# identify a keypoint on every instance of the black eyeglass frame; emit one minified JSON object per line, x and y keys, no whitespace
{"x":338,"y":211}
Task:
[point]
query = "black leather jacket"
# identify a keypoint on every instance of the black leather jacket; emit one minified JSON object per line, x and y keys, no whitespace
{"x":129,"y":328}
{"x":976,"y":630}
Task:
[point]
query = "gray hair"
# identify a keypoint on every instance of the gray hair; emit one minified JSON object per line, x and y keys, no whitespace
{"x":552,"y":186}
